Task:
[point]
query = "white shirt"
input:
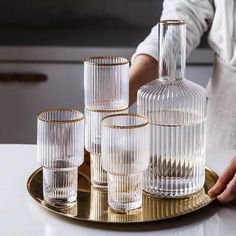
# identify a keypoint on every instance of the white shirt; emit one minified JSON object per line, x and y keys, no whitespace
{"x":200,"y":15}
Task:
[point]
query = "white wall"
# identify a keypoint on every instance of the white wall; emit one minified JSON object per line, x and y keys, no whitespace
{"x":21,"y":101}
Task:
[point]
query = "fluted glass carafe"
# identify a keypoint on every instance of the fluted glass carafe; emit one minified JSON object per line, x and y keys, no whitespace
{"x":176,"y":110}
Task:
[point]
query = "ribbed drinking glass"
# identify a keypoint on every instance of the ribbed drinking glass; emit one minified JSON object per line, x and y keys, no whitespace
{"x":93,"y":144}
{"x":106,"y":83}
{"x":125,"y":155}
{"x":60,"y":185}
{"x":60,"y":150}
{"x":106,"y":91}
{"x":98,"y":204}
{"x":176,"y":109}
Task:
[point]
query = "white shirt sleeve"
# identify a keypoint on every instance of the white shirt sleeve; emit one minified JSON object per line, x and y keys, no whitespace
{"x":197,"y":14}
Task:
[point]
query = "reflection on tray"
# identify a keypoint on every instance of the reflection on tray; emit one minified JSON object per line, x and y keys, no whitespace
{"x":92,"y":202}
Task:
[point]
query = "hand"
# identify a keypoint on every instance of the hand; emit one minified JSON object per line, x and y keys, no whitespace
{"x":226,"y":184}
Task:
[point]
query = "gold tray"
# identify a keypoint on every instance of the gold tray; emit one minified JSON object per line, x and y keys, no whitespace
{"x":92,"y":203}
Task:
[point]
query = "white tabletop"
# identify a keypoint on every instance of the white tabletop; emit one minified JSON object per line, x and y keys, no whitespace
{"x":20,"y":215}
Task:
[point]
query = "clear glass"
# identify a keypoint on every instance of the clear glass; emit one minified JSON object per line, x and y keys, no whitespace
{"x":60,"y":150}
{"x":60,"y":185}
{"x":93,"y":144}
{"x":106,"y":91}
{"x":176,"y":109}
{"x":98,"y":204}
{"x":98,"y":174}
{"x":106,"y":83}
{"x":60,"y":138}
{"x":125,"y":155}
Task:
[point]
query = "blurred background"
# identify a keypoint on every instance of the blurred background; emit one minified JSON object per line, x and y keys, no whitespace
{"x":43,"y":44}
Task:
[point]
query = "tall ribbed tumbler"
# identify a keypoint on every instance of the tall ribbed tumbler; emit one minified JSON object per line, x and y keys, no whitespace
{"x":125,"y":155}
{"x":106,"y":91}
{"x":93,"y":144}
{"x":60,"y":150}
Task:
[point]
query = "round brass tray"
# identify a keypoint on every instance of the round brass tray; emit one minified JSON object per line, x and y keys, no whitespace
{"x":92,"y":203}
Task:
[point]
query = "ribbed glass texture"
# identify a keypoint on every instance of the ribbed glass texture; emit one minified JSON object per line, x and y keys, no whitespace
{"x":176,"y":109}
{"x":125,"y":155}
{"x":98,"y":174}
{"x":93,"y":128}
{"x":159,"y":208}
{"x":98,"y":204}
{"x":106,"y":91}
{"x":125,"y":191}
{"x":60,"y":185}
{"x":93,"y":144}
{"x":106,"y":83}
{"x":60,"y":138}
{"x":60,"y":150}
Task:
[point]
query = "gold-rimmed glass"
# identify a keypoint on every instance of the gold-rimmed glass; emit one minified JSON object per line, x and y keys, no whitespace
{"x":60,"y":150}
{"x":106,"y":83}
{"x":106,"y":92}
{"x":125,"y":155}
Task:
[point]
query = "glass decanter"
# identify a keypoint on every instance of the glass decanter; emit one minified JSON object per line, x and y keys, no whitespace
{"x":176,"y":108}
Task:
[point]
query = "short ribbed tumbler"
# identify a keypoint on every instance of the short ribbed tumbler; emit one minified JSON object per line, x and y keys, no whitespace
{"x":106,"y":92}
{"x":125,"y":155}
{"x":60,"y":150}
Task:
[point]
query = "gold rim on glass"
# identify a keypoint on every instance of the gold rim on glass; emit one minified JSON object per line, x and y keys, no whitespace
{"x":172,"y":22}
{"x":105,"y":111}
{"x":97,"y":61}
{"x":60,"y":121}
{"x":144,"y":123}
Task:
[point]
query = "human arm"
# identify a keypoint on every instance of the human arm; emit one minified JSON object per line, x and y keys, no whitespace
{"x":197,"y":15}
{"x":142,"y":71}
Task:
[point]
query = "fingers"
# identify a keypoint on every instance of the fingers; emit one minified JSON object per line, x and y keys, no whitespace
{"x":230,"y":192}
{"x":224,"y":179}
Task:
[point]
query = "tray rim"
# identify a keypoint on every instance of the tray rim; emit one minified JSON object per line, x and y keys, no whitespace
{"x":213,"y":198}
